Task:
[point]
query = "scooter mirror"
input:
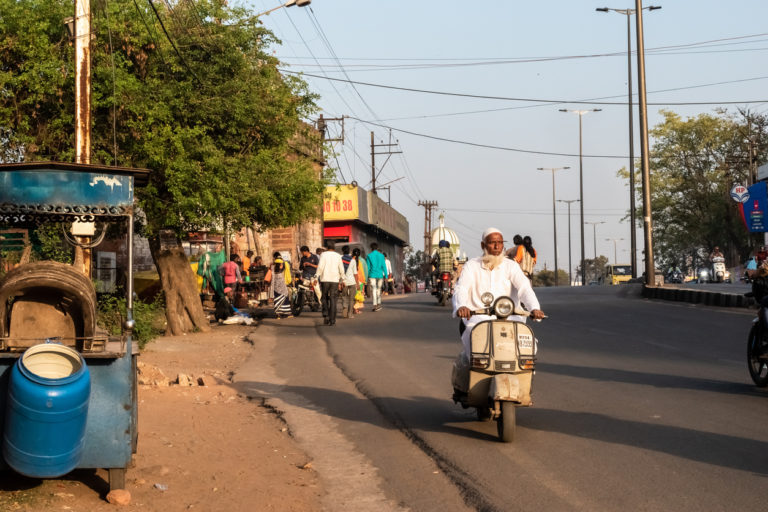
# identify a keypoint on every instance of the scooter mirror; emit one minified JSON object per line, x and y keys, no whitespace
{"x":487,"y":298}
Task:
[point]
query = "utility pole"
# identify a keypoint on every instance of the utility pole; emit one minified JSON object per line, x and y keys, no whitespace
{"x":389,"y":152}
{"x":428,"y":206}
{"x":322,"y":127}
{"x":568,"y":202}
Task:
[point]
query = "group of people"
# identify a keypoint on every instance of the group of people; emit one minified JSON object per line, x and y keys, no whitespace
{"x":335,"y":276}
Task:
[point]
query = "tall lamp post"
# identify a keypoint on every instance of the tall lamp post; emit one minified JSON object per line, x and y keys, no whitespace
{"x":569,"y":201}
{"x":554,"y":216}
{"x":581,"y":113}
{"x":594,"y":234}
{"x":633,"y":239}
{"x":289,"y":3}
{"x":614,"y":240}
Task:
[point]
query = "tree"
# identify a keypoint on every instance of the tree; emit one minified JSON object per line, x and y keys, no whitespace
{"x":594,"y":269}
{"x":694,"y":164}
{"x":198,"y":99}
{"x":547,"y":277}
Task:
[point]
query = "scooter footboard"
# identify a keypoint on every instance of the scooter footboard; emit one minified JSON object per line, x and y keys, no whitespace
{"x":513,"y":387}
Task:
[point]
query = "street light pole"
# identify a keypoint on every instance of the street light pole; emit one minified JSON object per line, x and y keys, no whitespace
{"x":650,"y":267}
{"x":581,"y":113}
{"x":632,"y":237}
{"x":594,"y":234}
{"x":615,"y":257}
{"x":569,"y":201}
{"x":289,"y":3}
{"x":554,"y":217}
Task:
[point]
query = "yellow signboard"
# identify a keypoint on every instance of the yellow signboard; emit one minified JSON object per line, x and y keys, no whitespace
{"x":341,"y":203}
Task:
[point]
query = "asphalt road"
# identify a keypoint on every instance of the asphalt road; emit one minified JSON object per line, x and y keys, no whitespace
{"x":639,"y":405}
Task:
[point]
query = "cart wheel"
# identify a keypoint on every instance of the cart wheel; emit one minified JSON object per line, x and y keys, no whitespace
{"x":116,"y":478}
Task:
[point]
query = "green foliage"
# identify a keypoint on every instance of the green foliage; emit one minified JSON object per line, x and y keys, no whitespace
{"x":48,"y":244}
{"x":594,"y":269}
{"x":147,"y":315}
{"x":547,"y":278}
{"x":694,"y":164}
{"x":217,"y":124}
{"x":414,"y":264}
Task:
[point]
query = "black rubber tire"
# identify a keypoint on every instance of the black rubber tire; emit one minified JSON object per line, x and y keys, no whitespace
{"x":443,"y":297}
{"x":756,"y":346}
{"x":506,"y":423}
{"x":297,"y":306}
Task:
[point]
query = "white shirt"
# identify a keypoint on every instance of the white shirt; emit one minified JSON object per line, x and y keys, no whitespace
{"x":330,"y":269}
{"x":505,"y":280}
{"x":389,"y":267}
{"x":349,"y":276}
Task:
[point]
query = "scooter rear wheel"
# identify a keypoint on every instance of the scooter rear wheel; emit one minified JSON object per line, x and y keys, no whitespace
{"x":507,"y":422}
{"x":757,"y":349}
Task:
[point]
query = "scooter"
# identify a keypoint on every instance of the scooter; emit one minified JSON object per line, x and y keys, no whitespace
{"x":719,"y":273}
{"x":502,"y":363}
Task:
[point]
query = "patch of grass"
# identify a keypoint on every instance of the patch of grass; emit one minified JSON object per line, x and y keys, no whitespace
{"x":146,"y":315}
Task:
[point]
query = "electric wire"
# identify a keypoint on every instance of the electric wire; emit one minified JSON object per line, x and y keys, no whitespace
{"x":175,"y":49}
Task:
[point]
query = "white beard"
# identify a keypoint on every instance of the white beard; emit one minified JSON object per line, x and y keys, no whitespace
{"x":490,"y":261}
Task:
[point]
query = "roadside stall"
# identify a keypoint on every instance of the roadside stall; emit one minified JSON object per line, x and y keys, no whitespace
{"x":68,"y":391}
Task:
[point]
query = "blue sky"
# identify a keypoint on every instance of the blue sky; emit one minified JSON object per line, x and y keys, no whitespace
{"x":547,"y":50}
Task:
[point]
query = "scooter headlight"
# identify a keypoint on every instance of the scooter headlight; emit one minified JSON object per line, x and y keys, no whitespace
{"x":503,"y":307}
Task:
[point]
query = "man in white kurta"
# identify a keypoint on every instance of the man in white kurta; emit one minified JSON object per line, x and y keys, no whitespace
{"x":492,"y":273}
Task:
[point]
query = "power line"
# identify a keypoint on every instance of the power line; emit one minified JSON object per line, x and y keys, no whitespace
{"x":507,"y":98}
{"x":162,"y":25}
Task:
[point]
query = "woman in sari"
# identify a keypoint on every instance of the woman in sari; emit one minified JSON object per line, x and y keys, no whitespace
{"x":282,"y":296}
{"x":361,"y":277}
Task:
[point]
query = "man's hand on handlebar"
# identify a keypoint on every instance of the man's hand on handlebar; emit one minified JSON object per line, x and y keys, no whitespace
{"x":537,"y":314}
{"x":464,"y":312}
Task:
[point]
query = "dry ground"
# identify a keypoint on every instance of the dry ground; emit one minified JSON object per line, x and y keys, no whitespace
{"x":200,"y":447}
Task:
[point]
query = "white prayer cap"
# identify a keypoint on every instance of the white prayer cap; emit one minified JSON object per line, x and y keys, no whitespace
{"x":490,"y":231}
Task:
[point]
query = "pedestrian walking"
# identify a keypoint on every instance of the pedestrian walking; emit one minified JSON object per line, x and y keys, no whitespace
{"x":360,"y":278}
{"x":280,"y":291}
{"x":350,"y":283}
{"x":377,"y":273}
{"x":330,"y":273}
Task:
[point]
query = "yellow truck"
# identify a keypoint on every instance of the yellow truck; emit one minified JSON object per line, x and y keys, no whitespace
{"x":616,"y":274}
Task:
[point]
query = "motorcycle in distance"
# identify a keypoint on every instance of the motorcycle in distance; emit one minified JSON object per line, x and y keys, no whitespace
{"x":719,"y":273}
{"x":443,"y":289}
{"x":502,"y":363}
{"x":303,"y":295}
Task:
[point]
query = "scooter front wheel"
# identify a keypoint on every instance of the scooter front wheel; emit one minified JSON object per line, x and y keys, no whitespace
{"x":757,"y":357}
{"x":507,"y":422}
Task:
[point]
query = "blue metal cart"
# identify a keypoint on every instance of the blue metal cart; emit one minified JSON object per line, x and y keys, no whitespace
{"x":43,"y":192}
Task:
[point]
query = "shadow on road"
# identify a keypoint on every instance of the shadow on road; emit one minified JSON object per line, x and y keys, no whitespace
{"x":658,"y":380}
{"x":709,"y":448}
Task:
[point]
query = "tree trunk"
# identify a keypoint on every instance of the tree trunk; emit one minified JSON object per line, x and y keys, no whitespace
{"x":183,"y":308}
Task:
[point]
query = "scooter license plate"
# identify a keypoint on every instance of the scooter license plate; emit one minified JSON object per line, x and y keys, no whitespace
{"x":525,"y":340}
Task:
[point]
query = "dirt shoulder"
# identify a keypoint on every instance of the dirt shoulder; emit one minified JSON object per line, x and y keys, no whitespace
{"x":200,"y":447}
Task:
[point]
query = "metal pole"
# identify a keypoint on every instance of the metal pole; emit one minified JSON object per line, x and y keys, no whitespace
{"x":570,"y":267}
{"x":632,"y":220}
{"x":650,"y":268}
{"x":554,"y":223}
{"x":581,"y":205}
{"x":373,"y":166}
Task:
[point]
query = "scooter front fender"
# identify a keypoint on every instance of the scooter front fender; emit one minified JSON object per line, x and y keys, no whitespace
{"x":511,"y":387}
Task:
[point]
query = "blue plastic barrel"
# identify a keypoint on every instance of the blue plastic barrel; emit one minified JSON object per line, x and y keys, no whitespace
{"x":47,"y":407}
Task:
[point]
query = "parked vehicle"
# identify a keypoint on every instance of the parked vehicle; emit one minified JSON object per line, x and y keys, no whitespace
{"x":303,"y":295}
{"x":501,"y":366}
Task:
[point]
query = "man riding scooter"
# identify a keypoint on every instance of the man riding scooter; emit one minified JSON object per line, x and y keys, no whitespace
{"x":443,"y":276}
{"x":493,"y":273}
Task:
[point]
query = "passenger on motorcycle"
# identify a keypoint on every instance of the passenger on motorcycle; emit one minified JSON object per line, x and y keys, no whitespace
{"x":443,"y":259}
{"x":715,"y":254}
{"x":494,"y":273}
{"x":308,"y":267}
